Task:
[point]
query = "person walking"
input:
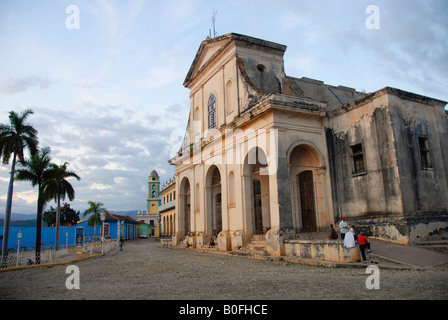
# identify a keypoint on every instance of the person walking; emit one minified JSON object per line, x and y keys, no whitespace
{"x":121,"y":243}
{"x":363,"y":245}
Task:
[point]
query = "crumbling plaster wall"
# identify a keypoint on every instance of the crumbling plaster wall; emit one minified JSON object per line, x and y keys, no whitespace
{"x":424,"y":190}
{"x":395,"y":198}
{"x":376,"y":191}
{"x":421,"y":187}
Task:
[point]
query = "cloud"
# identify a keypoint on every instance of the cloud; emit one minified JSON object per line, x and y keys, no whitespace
{"x":112,"y":147}
{"x":19,"y":85}
{"x":411,"y":41}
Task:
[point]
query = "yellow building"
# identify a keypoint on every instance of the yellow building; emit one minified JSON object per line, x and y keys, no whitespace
{"x":151,"y":216}
{"x":167,"y":209}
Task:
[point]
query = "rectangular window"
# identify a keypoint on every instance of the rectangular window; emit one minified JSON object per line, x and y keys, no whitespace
{"x":425,"y":159}
{"x":212,"y":111}
{"x":358,"y":159}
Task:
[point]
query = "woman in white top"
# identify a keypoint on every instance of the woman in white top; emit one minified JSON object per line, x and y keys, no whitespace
{"x":349,"y":240}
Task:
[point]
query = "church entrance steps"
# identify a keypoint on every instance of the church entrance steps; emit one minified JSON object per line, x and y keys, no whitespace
{"x":255,"y":248}
{"x":258,"y":243}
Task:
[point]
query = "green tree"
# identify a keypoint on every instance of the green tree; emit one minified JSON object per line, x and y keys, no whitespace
{"x":68,"y":215}
{"x":37,"y":171}
{"x":58,"y":188}
{"x":15,"y":138}
{"x":95,"y":209}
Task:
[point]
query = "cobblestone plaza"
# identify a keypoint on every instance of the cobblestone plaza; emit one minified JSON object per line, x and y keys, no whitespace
{"x":146,"y":271}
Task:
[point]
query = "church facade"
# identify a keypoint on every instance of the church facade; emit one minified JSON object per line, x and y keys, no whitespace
{"x":269,"y":154}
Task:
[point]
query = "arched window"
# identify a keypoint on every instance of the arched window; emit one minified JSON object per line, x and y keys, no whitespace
{"x":212,"y":111}
{"x":231,"y":188}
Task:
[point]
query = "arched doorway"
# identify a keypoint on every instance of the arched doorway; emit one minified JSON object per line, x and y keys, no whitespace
{"x":304,"y":167}
{"x":214,"y":201}
{"x":307,"y":201}
{"x":257,"y":183}
{"x":185,"y":210}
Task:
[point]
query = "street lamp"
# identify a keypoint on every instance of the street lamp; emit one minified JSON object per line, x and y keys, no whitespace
{"x":19,"y":236}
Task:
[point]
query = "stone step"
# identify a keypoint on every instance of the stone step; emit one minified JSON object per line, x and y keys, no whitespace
{"x":258,"y":237}
{"x":256,"y":246}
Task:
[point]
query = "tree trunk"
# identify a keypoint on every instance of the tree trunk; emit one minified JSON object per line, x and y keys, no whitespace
{"x":58,"y":220}
{"x":8,"y":212}
{"x":40,"y":209}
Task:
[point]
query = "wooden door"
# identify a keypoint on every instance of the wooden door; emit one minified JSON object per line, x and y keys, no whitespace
{"x":307,"y":201}
{"x":258,"y":213}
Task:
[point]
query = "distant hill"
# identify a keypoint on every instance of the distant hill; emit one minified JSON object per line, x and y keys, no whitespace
{"x":20,"y":223}
{"x":20,"y":216}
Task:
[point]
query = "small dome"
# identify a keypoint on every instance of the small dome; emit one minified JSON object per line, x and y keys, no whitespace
{"x":154,"y":173}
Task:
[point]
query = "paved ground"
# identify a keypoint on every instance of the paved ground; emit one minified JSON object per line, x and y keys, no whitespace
{"x":144,"y":270}
{"x":417,"y":257}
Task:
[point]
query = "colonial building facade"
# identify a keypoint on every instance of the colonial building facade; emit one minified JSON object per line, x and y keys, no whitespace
{"x":266,"y":153}
{"x":167,"y":209}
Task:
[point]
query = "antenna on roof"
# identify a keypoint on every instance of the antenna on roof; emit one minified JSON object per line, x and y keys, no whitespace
{"x":213,"y":25}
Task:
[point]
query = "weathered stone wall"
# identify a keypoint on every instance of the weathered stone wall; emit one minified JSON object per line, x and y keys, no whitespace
{"x":376,"y":191}
{"x":423,"y":189}
{"x":328,"y":250}
{"x":427,"y":226}
{"x":396,"y":198}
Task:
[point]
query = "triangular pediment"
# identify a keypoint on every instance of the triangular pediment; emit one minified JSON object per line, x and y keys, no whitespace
{"x":208,"y":52}
{"x":212,"y":47}
{"x":208,"y":49}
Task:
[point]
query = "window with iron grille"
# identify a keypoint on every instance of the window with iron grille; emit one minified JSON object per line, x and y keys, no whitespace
{"x":212,"y":112}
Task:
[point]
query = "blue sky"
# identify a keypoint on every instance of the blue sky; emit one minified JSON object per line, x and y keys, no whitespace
{"x":108,"y":97}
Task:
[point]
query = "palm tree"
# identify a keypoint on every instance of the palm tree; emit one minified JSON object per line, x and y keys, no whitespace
{"x":96,"y":209}
{"x":37,"y":171}
{"x":58,"y":188}
{"x":15,"y":138}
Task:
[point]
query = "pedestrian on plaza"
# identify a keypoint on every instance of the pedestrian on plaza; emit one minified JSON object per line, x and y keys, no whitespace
{"x":363,"y":245}
{"x":349,"y":239}
{"x":343,"y":227}
{"x":333,"y":234}
{"x":121,"y":243}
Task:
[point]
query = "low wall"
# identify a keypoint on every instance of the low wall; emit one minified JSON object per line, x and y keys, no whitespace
{"x":328,"y":250}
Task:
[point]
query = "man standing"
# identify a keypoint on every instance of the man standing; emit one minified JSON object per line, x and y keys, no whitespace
{"x":343,"y":226}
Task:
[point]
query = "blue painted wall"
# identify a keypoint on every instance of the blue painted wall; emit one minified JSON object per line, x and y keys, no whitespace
{"x":28,"y":240}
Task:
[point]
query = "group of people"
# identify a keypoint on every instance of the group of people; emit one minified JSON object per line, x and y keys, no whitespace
{"x":350,"y":237}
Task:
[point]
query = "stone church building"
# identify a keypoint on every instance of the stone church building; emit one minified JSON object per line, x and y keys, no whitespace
{"x":270,"y":154}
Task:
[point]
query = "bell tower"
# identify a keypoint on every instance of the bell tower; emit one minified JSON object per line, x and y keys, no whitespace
{"x":153,"y":200}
